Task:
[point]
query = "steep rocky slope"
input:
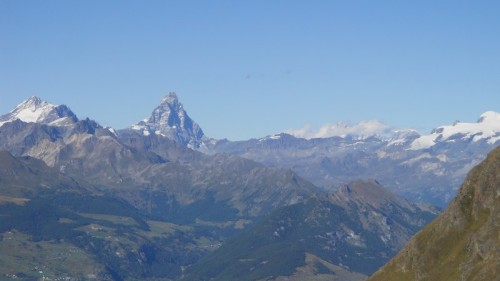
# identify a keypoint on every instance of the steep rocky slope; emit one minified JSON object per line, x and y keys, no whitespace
{"x":461,"y":244}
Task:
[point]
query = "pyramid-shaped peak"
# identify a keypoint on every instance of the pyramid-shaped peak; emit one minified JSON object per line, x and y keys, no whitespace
{"x":170,"y":120}
{"x":170,"y":98}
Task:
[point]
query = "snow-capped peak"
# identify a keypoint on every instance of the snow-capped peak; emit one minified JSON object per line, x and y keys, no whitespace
{"x":36,"y":110}
{"x":486,"y":128}
{"x":169,"y":119}
{"x":32,"y":109}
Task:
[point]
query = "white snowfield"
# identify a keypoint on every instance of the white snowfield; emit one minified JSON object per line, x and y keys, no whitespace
{"x":486,"y":128}
{"x":32,"y":110}
{"x":35,"y":110}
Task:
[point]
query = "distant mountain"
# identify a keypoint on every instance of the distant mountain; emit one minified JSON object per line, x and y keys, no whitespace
{"x":36,"y":110}
{"x":344,"y":236}
{"x":486,"y":129}
{"x":463,"y":243}
{"x":170,"y":120}
{"x":425,"y":168}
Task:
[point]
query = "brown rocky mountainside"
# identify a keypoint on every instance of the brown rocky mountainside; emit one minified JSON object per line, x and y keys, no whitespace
{"x":461,"y":244}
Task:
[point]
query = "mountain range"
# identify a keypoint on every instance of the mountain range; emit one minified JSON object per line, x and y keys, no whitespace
{"x":139,"y":203}
{"x":425,"y":168}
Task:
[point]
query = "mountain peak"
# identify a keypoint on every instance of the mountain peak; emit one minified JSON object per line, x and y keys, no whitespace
{"x":169,"y":119}
{"x":31,"y":109}
{"x":487,"y":129}
{"x":36,"y":110}
{"x":170,"y":98}
{"x":369,"y":191}
{"x":33,"y":100}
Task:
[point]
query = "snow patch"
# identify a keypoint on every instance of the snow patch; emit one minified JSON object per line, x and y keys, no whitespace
{"x":493,"y":140}
{"x":113,"y":131}
{"x":273,"y":137}
{"x":136,"y":127}
{"x":423,"y":142}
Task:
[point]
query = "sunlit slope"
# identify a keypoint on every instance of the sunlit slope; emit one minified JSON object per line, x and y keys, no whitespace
{"x":464,"y":242}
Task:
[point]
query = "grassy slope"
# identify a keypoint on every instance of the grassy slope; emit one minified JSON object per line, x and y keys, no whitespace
{"x":26,"y":259}
{"x":463,"y":243}
{"x":317,"y":269}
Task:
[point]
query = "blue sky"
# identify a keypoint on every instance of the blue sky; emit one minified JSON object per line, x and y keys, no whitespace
{"x":247,"y":69}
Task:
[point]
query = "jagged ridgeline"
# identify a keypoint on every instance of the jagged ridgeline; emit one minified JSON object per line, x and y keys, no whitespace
{"x":463,"y":243}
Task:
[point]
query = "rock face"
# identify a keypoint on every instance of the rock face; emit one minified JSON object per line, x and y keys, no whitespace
{"x":464,"y":242}
{"x":170,"y":119}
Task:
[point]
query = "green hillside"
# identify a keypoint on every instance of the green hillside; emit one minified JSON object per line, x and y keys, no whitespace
{"x":461,"y":244}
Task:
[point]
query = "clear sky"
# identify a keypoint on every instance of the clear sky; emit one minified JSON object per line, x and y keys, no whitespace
{"x":247,"y":69}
